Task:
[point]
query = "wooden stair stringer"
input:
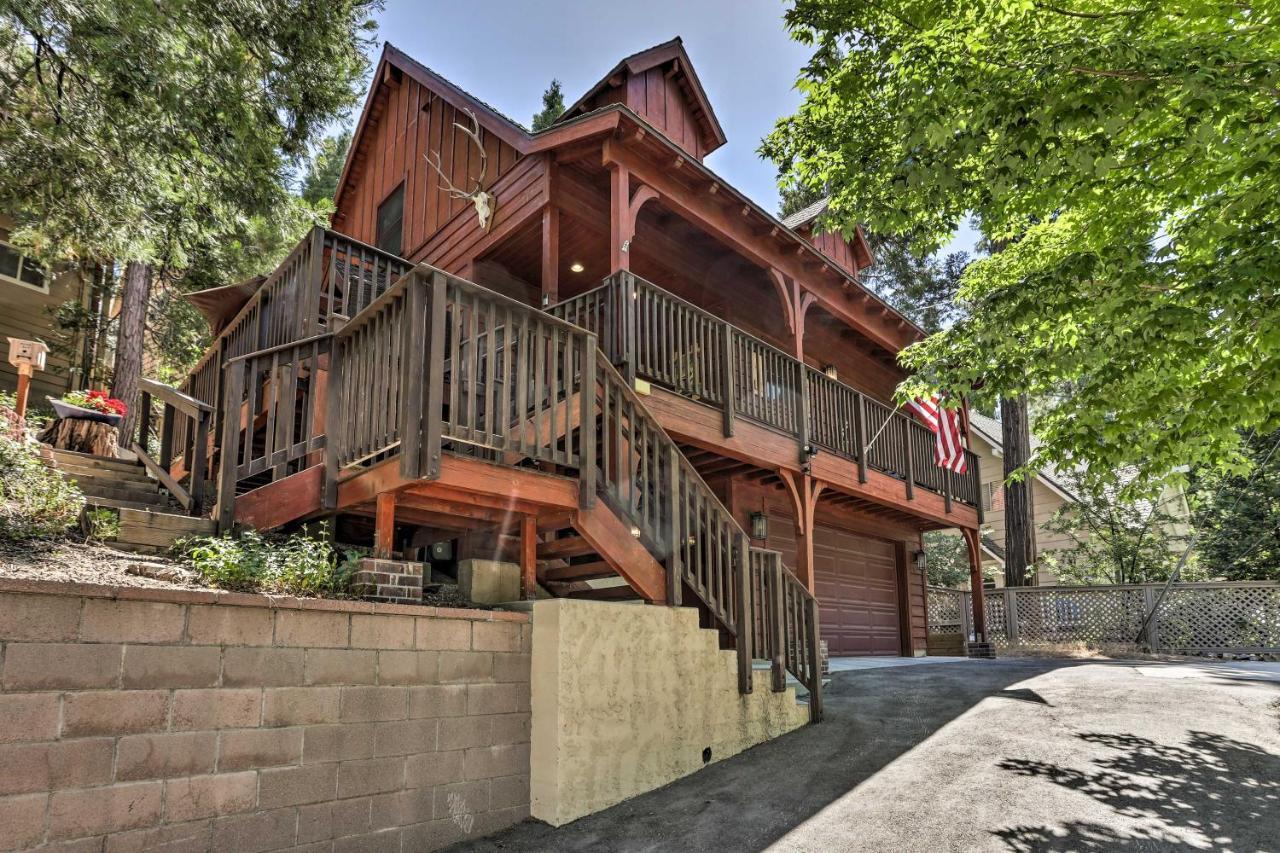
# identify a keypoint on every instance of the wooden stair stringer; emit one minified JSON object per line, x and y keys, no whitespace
{"x":611,"y":538}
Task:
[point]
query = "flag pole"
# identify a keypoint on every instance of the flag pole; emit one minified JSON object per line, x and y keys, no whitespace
{"x":880,"y":431}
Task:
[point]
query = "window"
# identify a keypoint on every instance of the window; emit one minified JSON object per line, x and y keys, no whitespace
{"x":992,"y":496}
{"x":391,"y":222}
{"x":17,"y":268}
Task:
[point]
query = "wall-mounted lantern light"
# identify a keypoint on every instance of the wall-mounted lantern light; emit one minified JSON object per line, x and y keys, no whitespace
{"x":922,"y":560}
{"x":759,"y":525}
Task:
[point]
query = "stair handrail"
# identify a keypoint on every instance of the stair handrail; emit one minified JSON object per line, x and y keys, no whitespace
{"x":198,"y":416}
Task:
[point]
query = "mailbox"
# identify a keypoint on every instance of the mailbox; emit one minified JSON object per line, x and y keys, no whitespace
{"x":27,"y":356}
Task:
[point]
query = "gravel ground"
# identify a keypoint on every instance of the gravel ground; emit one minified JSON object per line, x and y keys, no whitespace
{"x":1009,"y":755}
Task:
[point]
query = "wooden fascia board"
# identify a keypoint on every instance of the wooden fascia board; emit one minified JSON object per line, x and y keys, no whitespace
{"x":357,"y":138}
{"x":737,"y":230}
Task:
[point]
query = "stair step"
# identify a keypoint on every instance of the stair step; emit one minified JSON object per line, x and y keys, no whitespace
{"x":72,"y":457}
{"x":120,"y":503}
{"x":569,"y":546}
{"x":593,"y":570}
{"x":622,"y":592}
{"x":150,"y":496}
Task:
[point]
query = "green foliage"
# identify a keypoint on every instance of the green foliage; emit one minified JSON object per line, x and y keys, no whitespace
{"x":101,"y":524}
{"x":1238,"y":517}
{"x":299,"y":565}
{"x":1126,"y":160}
{"x":946,"y":559}
{"x":923,"y":288}
{"x":1116,"y":540}
{"x":320,"y":183}
{"x":35,"y":501}
{"x":552,"y":107}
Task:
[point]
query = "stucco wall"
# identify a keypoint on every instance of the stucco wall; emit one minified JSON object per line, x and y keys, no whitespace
{"x":139,"y":719}
{"x":625,"y":700}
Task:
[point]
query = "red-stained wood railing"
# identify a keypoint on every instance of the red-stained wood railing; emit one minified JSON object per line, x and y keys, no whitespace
{"x":784,"y":623}
{"x":656,"y":336}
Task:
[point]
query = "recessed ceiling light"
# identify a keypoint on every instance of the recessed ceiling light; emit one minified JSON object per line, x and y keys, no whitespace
{"x":576,"y":267}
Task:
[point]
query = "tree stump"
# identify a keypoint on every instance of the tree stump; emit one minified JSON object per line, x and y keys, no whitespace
{"x":82,"y":436}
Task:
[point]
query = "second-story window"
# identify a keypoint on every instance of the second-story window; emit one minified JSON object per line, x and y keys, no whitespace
{"x":391,"y":222}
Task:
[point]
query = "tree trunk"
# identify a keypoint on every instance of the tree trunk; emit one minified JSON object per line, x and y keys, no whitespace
{"x":1019,"y":511}
{"x":133,"y":321}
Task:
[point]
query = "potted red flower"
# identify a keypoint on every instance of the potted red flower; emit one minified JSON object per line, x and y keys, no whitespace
{"x":90,"y":405}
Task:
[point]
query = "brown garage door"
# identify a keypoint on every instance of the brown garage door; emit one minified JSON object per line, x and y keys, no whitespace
{"x":857,"y":589}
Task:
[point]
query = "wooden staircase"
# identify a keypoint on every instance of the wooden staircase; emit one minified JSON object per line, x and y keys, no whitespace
{"x":151,"y":519}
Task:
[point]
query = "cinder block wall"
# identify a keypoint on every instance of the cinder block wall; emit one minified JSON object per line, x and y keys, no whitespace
{"x":132,"y":719}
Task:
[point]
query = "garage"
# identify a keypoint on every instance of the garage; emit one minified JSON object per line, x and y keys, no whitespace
{"x":857,"y":588}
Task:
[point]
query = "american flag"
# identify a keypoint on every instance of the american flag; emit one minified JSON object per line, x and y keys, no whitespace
{"x":946,"y":424}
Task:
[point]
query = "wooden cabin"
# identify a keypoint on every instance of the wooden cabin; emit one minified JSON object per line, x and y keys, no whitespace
{"x":584,"y":351}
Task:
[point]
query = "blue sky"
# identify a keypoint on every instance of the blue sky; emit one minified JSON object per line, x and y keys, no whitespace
{"x":506,"y":52}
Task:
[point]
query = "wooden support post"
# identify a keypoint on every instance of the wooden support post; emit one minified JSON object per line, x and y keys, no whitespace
{"x":946,"y":489}
{"x":908,"y":459}
{"x":411,"y":373}
{"x":433,"y":407}
{"x":776,"y":604}
{"x":144,"y":420}
{"x":529,"y":556}
{"x":1011,"y":615}
{"x":804,"y":491}
{"x":814,"y":640}
{"x":587,"y":425}
{"x":550,"y":255}
{"x":24,"y":389}
{"x":233,"y":390}
{"x":971,"y":538}
{"x":860,"y":435}
{"x":745,"y":618}
{"x":334,"y":423}
{"x":384,"y":526}
{"x":198,"y":462}
{"x":619,"y":218}
{"x":802,"y":412}
{"x":729,"y":379}
{"x":675,"y":533}
{"x":168,"y":416}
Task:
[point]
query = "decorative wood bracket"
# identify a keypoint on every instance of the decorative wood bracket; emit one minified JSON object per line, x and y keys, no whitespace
{"x":795,"y":304}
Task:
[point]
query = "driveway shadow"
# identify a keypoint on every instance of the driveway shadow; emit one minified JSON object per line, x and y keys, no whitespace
{"x":1208,"y":787}
{"x":751,"y":800}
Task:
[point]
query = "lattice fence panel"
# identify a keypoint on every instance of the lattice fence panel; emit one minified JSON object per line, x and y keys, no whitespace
{"x":997,"y":630}
{"x":1220,"y":618}
{"x":1088,"y":614}
{"x":946,"y":607}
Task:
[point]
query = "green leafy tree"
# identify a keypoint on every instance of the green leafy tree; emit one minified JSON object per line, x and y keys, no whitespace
{"x":135,"y":131}
{"x":946,"y":559}
{"x":552,"y":107}
{"x":1119,"y":540}
{"x":1127,"y":161}
{"x":1239,"y":517}
{"x":793,"y":198}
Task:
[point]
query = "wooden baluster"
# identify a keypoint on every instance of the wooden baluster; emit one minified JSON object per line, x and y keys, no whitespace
{"x":234,"y":388}
{"x":197,"y":460}
{"x":168,"y":415}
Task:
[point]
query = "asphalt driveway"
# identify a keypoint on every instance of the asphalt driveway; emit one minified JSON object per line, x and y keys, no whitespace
{"x":982,"y":755}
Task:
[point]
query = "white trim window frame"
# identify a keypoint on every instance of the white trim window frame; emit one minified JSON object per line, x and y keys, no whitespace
{"x":17,"y":268}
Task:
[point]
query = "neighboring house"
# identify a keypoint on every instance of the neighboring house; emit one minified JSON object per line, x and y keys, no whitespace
{"x":30,"y":296}
{"x":748,"y":340}
{"x":1051,"y":490}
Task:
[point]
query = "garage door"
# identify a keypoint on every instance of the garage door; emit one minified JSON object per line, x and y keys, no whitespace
{"x":856,"y":580}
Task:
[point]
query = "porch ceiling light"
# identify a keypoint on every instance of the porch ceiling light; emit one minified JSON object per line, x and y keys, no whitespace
{"x":576,"y":266}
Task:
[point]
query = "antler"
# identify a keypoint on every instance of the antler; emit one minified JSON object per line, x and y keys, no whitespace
{"x":474,"y":133}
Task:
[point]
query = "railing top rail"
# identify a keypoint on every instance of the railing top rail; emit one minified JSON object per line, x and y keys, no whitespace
{"x":184,"y":403}
{"x":365,"y":247}
{"x":303,"y":342}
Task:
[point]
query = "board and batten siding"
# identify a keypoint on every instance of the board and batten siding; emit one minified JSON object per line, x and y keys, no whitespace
{"x":411,"y":122}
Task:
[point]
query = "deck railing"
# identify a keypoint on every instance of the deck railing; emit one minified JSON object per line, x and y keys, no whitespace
{"x":326,"y":275}
{"x":182,"y":430}
{"x":657,"y":336}
{"x":784,"y":624}
{"x":437,"y":363}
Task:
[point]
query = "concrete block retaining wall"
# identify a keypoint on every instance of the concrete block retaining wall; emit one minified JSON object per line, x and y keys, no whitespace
{"x":132,"y":719}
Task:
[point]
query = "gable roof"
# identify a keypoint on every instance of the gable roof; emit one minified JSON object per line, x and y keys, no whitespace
{"x":642,"y":61}
{"x":805,"y":215}
{"x":991,"y":432}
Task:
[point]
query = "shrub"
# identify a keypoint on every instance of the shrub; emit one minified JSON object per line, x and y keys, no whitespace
{"x":35,"y":501}
{"x":101,"y":524}
{"x":299,"y":565}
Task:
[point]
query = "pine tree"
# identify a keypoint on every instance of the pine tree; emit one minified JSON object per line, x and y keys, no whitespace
{"x":552,"y":107}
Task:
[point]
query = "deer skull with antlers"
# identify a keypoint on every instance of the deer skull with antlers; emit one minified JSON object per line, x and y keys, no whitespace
{"x":483,"y":200}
